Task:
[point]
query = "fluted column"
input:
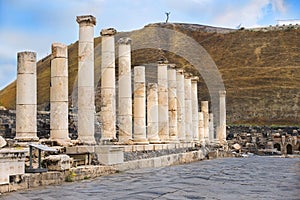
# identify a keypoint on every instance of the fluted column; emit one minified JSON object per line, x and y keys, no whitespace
{"x":188,"y":108}
{"x":221,"y":127}
{"x":204,"y":109}
{"x":86,"y":97}
{"x":180,"y":105}
{"x":211,"y":128}
{"x":201,"y":128}
{"x":59,"y":126}
{"x":152,"y":113}
{"x":26,"y":99}
{"x":139,"y":112}
{"x":125,"y":92}
{"x":195,"y":108}
{"x":172,"y":98}
{"x":163,"y":106}
{"x":108,"y":87}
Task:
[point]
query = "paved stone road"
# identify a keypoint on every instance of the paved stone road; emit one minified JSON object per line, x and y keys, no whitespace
{"x":231,"y":178}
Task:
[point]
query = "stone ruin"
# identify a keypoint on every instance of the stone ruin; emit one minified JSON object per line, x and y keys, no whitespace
{"x":149,"y":116}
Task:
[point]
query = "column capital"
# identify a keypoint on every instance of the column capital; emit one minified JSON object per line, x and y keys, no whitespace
{"x":108,"y":32}
{"x":222,"y":92}
{"x":124,"y":41}
{"x":195,"y":78}
{"x":172,"y":66}
{"x":163,"y":61}
{"x":187,"y":75}
{"x":59,"y":50}
{"x":87,"y":19}
{"x":180,"y":71}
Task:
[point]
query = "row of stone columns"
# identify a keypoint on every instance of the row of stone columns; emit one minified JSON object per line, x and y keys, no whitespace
{"x":171,"y":111}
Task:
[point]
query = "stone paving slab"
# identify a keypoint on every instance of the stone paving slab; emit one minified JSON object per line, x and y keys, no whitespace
{"x":231,"y":178}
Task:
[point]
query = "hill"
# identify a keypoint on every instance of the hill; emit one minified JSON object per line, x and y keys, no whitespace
{"x":260,"y":69}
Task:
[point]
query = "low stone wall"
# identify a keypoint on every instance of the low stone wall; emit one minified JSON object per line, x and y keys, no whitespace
{"x":162,"y":161}
{"x":27,"y":181}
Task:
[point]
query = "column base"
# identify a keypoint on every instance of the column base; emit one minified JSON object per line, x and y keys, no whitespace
{"x":88,"y":140}
{"x":62,"y":142}
{"x":154,"y":140}
{"x":140,"y":141}
{"x":126,"y":142}
{"x":174,"y":139}
{"x":27,"y":139}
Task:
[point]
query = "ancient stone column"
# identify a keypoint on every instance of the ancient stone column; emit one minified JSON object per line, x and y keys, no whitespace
{"x":108,"y":87}
{"x":204,"y":109}
{"x":26,"y":99}
{"x":195,"y":108}
{"x":180,"y":105}
{"x":188,"y":108}
{"x":59,"y":126}
{"x":201,"y":128}
{"x":152,"y":113}
{"x":163,"y":105}
{"x":211,"y":128}
{"x":86,"y":97}
{"x":172,"y":98}
{"x":139,"y":112}
{"x":125,"y":92}
{"x":221,"y":126}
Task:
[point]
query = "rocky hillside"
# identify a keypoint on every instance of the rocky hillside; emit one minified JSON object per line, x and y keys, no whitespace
{"x":260,"y":69}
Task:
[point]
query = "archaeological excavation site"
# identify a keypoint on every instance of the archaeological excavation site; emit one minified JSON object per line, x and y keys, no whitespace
{"x":149,"y":98}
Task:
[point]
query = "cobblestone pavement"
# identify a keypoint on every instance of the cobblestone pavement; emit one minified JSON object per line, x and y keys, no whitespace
{"x":232,"y":178}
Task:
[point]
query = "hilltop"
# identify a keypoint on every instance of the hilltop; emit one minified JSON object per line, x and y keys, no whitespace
{"x":260,"y":69}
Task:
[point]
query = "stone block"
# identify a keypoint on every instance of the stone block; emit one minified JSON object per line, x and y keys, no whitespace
{"x":58,"y":162}
{"x":80,"y":149}
{"x":12,"y":162}
{"x":110,"y":155}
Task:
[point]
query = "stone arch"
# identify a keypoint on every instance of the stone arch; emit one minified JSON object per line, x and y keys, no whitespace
{"x":289,"y":149}
{"x":277,"y":146}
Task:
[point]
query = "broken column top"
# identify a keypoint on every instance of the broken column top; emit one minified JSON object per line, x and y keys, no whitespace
{"x":124,"y":40}
{"x":88,"y":19}
{"x":59,"y":50}
{"x":26,"y":62}
{"x":108,"y":32}
{"x":28,"y":55}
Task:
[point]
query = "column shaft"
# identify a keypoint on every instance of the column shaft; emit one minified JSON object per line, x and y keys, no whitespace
{"x":180,"y":105}
{"x":201,"y":128}
{"x":26,"y":99}
{"x":221,"y":127}
{"x":86,"y":97}
{"x":59,"y":127}
{"x":108,"y":88}
{"x":188,"y":109}
{"x":195,"y":109}
{"x":211,"y":128}
{"x":139,"y":136}
{"x":204,"y":109}
{"x":152,"y":113}
{"x":172,"y":98}
{"x":163,"y":107}
{"x":125,"y":92}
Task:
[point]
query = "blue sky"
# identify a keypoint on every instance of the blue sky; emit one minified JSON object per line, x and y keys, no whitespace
{"x":35,"y":24}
